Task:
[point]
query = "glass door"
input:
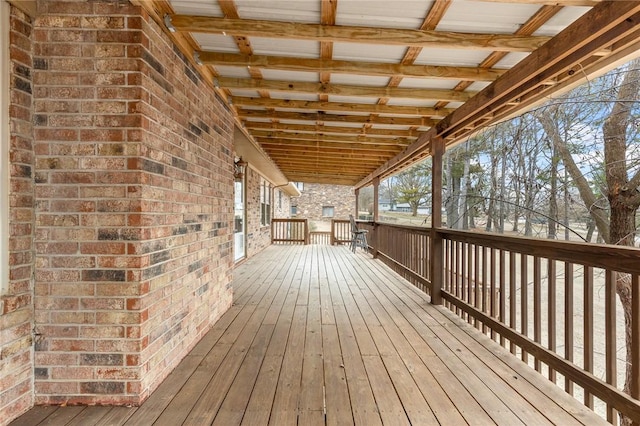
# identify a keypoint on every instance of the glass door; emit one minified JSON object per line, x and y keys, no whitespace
{"x":239,"y":234}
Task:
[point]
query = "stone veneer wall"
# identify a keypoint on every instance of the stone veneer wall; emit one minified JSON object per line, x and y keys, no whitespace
{"x":16,"y":304}
{"x":314,"y":196}
{"x":132,"y":211}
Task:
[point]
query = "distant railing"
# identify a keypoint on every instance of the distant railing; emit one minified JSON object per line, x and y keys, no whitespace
{"x":289,"y":231}
{"x":320,"y":237}
{"x":552,"y":303}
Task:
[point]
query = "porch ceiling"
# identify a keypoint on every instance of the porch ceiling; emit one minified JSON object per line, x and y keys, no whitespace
{"x":343,"y":91}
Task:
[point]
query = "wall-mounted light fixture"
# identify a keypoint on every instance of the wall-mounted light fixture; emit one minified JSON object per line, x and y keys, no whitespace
{"x":196,"y":58}
{"x":239,"y":167}
{"x":169,"y":24}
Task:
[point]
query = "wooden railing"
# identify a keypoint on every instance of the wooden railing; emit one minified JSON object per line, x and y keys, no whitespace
{"x":296,"y":231}
{"x":551,"y":303}
{"x":340,"y":231}
{"x":289,"y":231}
{"x":320,"y":237}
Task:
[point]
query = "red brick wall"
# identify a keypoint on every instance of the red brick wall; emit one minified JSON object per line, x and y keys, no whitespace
{"x":16,"y":305}
{"x":315,"y":196}
{"x":134,"y":191}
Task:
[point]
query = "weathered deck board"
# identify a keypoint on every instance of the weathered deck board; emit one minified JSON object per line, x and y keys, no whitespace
{"x":319,"y":335}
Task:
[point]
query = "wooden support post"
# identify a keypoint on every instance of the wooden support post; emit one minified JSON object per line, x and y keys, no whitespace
{"x":635,"y":338}
{"x":376,"y":187}
{"x":373,"y":239}
{"x":437,"y":261}
{"x":355,"y":214}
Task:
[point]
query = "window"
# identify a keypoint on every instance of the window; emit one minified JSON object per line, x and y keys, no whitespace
{"x":299,"y":185}
{"x":294,"y":210}
{"x":279,"y":199}
{"x":4,"y":146}
{"x":265,"y":202}
{"x":328,"y":211}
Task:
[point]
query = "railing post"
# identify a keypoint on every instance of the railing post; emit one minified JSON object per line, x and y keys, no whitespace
{"x":332,"y":238}
{"x":437,"y":261}
{"x":357,"y":194}
{"x":374,"y":227}
{"x":272,"y":230}
{"x":376,"y":187}
{"x":635,"y":337}
{"x":306,"y":231}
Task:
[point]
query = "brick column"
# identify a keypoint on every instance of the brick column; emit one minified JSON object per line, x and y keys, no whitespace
{"x":16,"y":298}
{"x":135,"y":204}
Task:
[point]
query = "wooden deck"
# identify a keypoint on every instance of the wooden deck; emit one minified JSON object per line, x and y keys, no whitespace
{"x":318,"y":335}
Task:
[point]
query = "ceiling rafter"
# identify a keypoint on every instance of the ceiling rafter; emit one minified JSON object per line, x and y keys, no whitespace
{"x":246,"y":101}
{"x":353,"y":34}
{"x":402,"y":70}
{"x":344,"y":89}
{"x":336,"y":118}
{"x":364,"y":140}
{"x":327,"y":129}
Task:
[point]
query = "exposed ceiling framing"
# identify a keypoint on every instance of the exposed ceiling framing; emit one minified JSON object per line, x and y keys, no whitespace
{"x":344,"y":91}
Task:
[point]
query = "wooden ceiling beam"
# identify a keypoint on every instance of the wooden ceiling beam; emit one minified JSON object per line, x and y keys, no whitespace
{"x":343,"y":89}
{"x":246,"y":101}
{"x":356,"y":34}
{"x":329,"y":144}
{"x":321,"y":178}
{"x":331,"y":138}
{"x":323,"y":129}
{"x":349,"y":67}
{"x":344,"y":170}
{"x":333,"y":153}
{"x":353,"y":163}
{"x":336,"y":118}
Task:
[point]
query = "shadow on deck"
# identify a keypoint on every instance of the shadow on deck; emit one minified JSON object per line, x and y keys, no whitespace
{"x":319,"y":335}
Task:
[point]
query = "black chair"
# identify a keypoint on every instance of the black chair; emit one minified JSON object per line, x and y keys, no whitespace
{"x":358,"y":236}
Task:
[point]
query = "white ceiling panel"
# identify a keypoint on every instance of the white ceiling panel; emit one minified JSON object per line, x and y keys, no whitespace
{"x":309,"y":77}
{"x":425,"y":103}
{"x":486,"y":17}
{"x":353,"y":99}
{"x":280,"y":10}
{"x":451,"y":57}
{"x":285,"y":47}
{"x":511,"y":59}
{"x":359,"y":80}
{"x":560,"y":20}
{"x":427,"y":83}
{"x":216,"y":42}
{"x":382,"y":13}
{"x":235,"y":72}
{"x":368,"y":52}
{"x":197,"y":7}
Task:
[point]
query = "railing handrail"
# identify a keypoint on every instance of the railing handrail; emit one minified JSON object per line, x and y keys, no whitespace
{"x":618,"y":258}
{"x":301,"y":235}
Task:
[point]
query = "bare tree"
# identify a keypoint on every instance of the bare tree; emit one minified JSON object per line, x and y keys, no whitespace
{"x":615,"y":221}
